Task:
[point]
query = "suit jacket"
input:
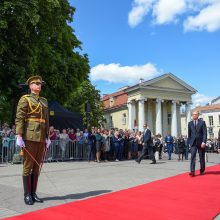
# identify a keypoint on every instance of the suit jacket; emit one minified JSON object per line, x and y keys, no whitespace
{"x":147,"y":138}
{"x":169,"y":140}
{"x":197,"y":135}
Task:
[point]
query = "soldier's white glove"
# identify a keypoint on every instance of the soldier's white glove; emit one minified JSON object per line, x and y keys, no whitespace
{"x":20,"y":142}
{"x":48,"y":142}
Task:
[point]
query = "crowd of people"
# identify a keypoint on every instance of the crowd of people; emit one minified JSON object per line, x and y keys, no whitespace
{"x":114,"y":144}
{"x":7,"y":135}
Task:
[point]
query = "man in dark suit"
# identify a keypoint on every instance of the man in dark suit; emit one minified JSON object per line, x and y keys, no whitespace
{"x":197,"y":136}
{"x":148,"y":146}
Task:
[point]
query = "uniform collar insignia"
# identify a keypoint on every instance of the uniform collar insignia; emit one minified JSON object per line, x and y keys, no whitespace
{"x":35,"y":96}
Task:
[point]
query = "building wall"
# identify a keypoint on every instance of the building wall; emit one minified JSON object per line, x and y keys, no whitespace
{"x":117,"y":119}
{"x":183,"y":125}
{"x":216,"y":121}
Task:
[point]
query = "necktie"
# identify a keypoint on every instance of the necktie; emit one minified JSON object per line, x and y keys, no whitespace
{"x":195,"y":124}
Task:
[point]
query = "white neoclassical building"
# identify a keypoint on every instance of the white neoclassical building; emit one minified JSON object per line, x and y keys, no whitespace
{"x":156,"y":102}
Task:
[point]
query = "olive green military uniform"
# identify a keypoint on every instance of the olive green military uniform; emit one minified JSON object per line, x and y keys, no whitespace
{"x":32,"y":123}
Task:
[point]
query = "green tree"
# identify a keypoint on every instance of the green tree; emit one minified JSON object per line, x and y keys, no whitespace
{"x":36,"y":38}
{"x":87,"y":95}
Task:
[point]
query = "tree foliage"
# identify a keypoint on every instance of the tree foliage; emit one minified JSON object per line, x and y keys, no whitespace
{"x":87,"y":100}
{"x":36,"y":39}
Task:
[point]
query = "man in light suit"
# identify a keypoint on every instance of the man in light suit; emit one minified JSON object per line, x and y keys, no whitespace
{"x":197,"y":136}
{"x":148,"y":146}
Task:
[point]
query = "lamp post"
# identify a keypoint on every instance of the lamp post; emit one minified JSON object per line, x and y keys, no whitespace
{"x":87,"y":110}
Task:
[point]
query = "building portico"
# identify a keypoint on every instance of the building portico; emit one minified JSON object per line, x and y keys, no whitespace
{"x":157,"y":102}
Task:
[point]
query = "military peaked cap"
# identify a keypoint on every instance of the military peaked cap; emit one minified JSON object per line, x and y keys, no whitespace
{"x":34,"y":79}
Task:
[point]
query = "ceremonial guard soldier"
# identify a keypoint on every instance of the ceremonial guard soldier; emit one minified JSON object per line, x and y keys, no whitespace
{"x":32,"y":127}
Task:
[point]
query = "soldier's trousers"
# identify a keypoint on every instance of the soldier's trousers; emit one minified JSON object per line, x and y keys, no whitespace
{"x":36,"y":149}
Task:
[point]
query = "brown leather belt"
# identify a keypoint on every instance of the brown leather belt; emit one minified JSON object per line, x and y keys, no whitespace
{"x":36,"y":120}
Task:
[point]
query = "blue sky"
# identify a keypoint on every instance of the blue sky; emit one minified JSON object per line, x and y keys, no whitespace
{"x":131,"y":39}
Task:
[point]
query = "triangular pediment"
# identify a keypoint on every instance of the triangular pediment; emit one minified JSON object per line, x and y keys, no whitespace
{"x":168,"y":82}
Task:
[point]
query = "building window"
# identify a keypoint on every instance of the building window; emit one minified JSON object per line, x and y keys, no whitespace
{"x":124,"y":119}
{"x":210,"y":120}
{"x":169,"y":118}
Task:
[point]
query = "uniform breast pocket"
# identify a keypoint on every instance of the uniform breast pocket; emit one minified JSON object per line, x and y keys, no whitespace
{"x":30,"y":131}
{"x":31,"y":127}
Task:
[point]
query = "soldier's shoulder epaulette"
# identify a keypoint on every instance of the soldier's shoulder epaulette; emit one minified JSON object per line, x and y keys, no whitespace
{"x":25,"y":96}
{"x":43,"y":99}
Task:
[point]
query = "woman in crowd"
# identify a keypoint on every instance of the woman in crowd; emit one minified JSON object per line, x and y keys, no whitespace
{"x":91,"y":144}
{"x":64,"y":138}
{"x":72,"y":135}
{"x":139,"y":138}
{"x":116,"y":141}
{"x":181,"y":146}
{"x":80,"y":142}
{"x":52,"y":133}
{"x":121,"y":144}
{"x":98,"y":138}
{"x":126,"y":144}
{"x":106,"y":144}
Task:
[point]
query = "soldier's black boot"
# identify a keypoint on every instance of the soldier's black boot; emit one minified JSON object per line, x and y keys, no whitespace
{"x":34,"y":180}
{"x":27,"y":190}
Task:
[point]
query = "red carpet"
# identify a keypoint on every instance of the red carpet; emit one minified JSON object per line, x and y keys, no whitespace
{"x":179,"y":197}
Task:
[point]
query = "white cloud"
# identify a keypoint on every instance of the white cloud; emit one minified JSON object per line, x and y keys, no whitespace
{"x":200,"y":15}
{"x":116,"y":73}
{"x":200,"y":99}
{"x":165,"y":11}
{"x":208,"y":19}
{"x":139,"y":10}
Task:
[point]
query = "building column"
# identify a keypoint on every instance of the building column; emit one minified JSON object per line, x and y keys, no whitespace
{"x":141,"y":114}
{"x":165,"y":119}
{"x":158,"y":117}
{"x":174,"y":131}
{"x":188,"y":115}
{"x":133,"y":110}
{"x":179,"y":132}
{"x":149,"y":116}
{"x":131,"y":115}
